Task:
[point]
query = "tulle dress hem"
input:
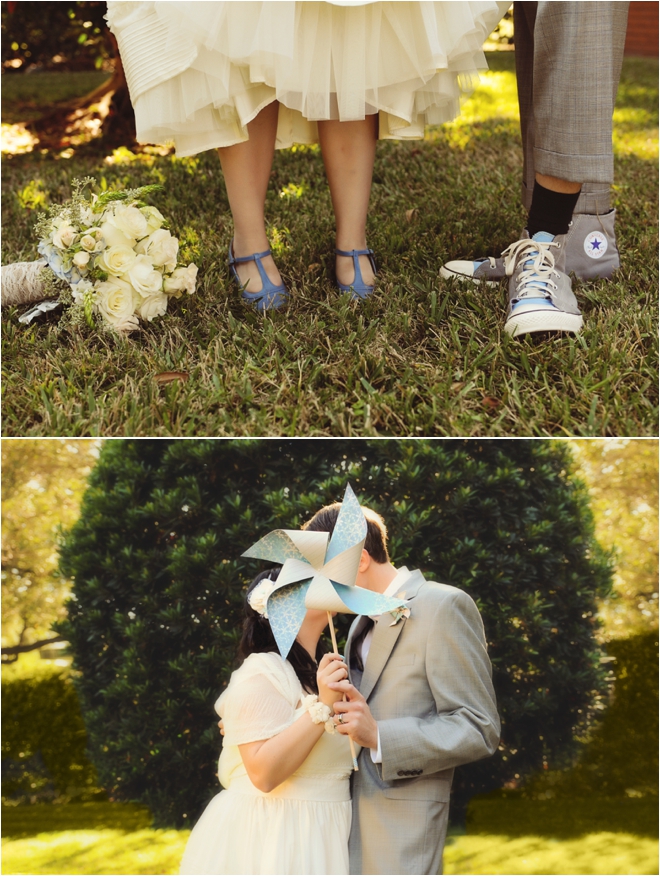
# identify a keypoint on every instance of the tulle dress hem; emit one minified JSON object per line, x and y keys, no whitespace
{"x":200,"y":72}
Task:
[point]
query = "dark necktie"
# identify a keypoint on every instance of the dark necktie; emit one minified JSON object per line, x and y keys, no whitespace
{"x":357,"y":667}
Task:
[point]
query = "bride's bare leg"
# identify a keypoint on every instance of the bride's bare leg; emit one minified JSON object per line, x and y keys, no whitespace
{"x":349,"y":150}
{"x":246,"y":168}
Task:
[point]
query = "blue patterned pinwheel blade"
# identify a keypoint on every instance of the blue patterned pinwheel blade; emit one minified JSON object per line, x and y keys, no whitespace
{"x":350,"y":528}
{"x":276,"y":547}
{"x":286,"y":612}
{"x":361,"y":601}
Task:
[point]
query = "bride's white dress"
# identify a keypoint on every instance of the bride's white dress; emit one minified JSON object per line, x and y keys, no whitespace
{"x":300,"y":827}
{"x":198,"y":72}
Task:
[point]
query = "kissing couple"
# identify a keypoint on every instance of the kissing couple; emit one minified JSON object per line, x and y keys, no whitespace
{"x":413,"y":700}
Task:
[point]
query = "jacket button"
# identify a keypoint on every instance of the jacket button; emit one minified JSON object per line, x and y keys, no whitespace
{"x":400,"y":773}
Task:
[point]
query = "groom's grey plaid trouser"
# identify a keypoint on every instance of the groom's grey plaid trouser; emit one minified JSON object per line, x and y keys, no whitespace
{"x":568,"y":63}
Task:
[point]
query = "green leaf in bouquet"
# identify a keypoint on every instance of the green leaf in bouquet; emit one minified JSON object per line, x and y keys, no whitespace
{"x":126,"y":195}
{"x":88,"y":305}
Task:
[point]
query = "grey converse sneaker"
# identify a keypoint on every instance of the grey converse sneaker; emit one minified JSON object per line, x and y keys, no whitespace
{"x":541,"y":298}
{"x":590,"y":252}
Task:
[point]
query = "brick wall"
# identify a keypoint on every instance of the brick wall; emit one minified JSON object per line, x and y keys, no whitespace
{"x":642,"y":35}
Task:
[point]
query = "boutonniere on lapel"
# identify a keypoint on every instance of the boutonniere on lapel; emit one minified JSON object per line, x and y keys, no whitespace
{"x":401,"y":611}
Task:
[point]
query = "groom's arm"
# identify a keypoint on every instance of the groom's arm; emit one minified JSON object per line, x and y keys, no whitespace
{"x":465,"y":726}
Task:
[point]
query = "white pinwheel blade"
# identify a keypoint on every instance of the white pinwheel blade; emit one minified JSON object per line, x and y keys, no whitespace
{"x":312,"y":545}
{"x":344,"y":567}
{"x":293,"y":571}
{"x":323,"y":596}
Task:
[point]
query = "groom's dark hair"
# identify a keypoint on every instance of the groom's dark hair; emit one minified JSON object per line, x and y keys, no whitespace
{"x":376,"y":542}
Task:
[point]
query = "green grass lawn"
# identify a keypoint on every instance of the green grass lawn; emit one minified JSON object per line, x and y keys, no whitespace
{"x":423,"y":357}
{"x":102,"y":838}
{"x":87,"y":838}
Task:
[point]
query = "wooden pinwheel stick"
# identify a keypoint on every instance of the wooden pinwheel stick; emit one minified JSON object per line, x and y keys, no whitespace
{"x":336,"y":650}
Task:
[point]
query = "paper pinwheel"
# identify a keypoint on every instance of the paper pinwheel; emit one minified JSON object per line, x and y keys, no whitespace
{"x":318,"y":573}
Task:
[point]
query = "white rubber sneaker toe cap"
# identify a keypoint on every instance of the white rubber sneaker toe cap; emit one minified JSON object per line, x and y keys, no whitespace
{"x":544,"y":320}
{"x":463,"y":270}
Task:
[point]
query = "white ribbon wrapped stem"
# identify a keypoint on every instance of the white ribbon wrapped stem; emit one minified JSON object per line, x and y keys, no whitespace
{"x":23,"y":282}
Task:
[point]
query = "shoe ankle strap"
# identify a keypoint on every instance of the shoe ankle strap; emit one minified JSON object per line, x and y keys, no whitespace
{"x":354,"y":252}
{"x":239,"y":260}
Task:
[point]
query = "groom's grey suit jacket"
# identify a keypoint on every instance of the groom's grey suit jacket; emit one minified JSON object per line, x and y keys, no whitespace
{"x":427,"y":681}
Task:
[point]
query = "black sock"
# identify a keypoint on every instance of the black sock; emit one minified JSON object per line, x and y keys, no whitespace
{"x":550,"y":211}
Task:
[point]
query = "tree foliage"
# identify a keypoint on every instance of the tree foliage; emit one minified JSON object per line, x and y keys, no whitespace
{"x":156,"y":608}
{"x":43,"y":737}
{"x":622,"y":476}
{"x":42,"y":485}
{"x":54,"y":35}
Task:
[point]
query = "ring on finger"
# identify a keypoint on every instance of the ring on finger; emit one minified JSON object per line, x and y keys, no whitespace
{"x":340,"y":719}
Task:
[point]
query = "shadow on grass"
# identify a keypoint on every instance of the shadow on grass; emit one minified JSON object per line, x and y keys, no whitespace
{"x":562,"y":819}
{"x":20,"y":822}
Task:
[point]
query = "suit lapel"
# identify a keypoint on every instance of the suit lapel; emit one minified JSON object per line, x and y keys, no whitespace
{"x":384,"y":640}
{"x":385,"y":637}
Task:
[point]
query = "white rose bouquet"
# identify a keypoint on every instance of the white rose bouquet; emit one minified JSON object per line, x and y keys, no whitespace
{"x":114,"y":256}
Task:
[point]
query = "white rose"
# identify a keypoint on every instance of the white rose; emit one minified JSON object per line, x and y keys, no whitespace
{"x":112,"y":236}
{"x":64,"y":235}
{"x":130,"y":324}
{"x":161,"y":248}
{"x":153,"y":306}
{"x":154,"y":218}
{"x":116,"y":302}
{"x":80,"y":259}
{"x":88,"y":243}
{"x":129,"y":220}
{"x":181,"y":280}
{"x":116,"y":260}
{"x":143,"y":277}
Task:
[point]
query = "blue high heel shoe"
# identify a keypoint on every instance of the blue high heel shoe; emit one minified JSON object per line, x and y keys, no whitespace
{"x":270,"y":296}
{"x":358,"y":289}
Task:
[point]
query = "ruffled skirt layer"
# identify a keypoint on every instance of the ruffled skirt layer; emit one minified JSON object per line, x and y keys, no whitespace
{"x":199,"y":72}
{"x":255,"y":833}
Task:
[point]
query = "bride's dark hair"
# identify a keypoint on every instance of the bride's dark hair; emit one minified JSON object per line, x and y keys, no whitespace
{"x":258,"y":637}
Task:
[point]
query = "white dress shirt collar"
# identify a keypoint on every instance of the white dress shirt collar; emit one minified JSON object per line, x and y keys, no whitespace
{"x":394,"y":586}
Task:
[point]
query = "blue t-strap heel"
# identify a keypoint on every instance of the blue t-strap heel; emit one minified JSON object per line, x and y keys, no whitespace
{"x":270,"y":296}
{"x":358,"y":288}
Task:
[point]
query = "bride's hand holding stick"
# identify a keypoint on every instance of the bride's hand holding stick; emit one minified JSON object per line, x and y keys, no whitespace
{"x":336,"y":650}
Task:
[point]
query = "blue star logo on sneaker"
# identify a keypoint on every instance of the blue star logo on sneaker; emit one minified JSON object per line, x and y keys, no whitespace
{"x":595,"y":244}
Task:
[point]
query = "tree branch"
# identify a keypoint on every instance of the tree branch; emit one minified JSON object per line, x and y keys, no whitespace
{"x":21,"y":649}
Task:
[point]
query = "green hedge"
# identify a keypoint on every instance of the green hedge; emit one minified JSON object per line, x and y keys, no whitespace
{"x":620,"y":758}
{"x":616,"y":776}
{"x":43,"y":738}
{"x":571,"y":818}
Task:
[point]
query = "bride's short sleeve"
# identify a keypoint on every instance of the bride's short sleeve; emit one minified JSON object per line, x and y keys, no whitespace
{"x":258,"y":704}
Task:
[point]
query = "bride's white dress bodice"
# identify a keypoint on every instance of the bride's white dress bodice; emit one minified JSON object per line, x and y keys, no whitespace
{"x":262,"y":699}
